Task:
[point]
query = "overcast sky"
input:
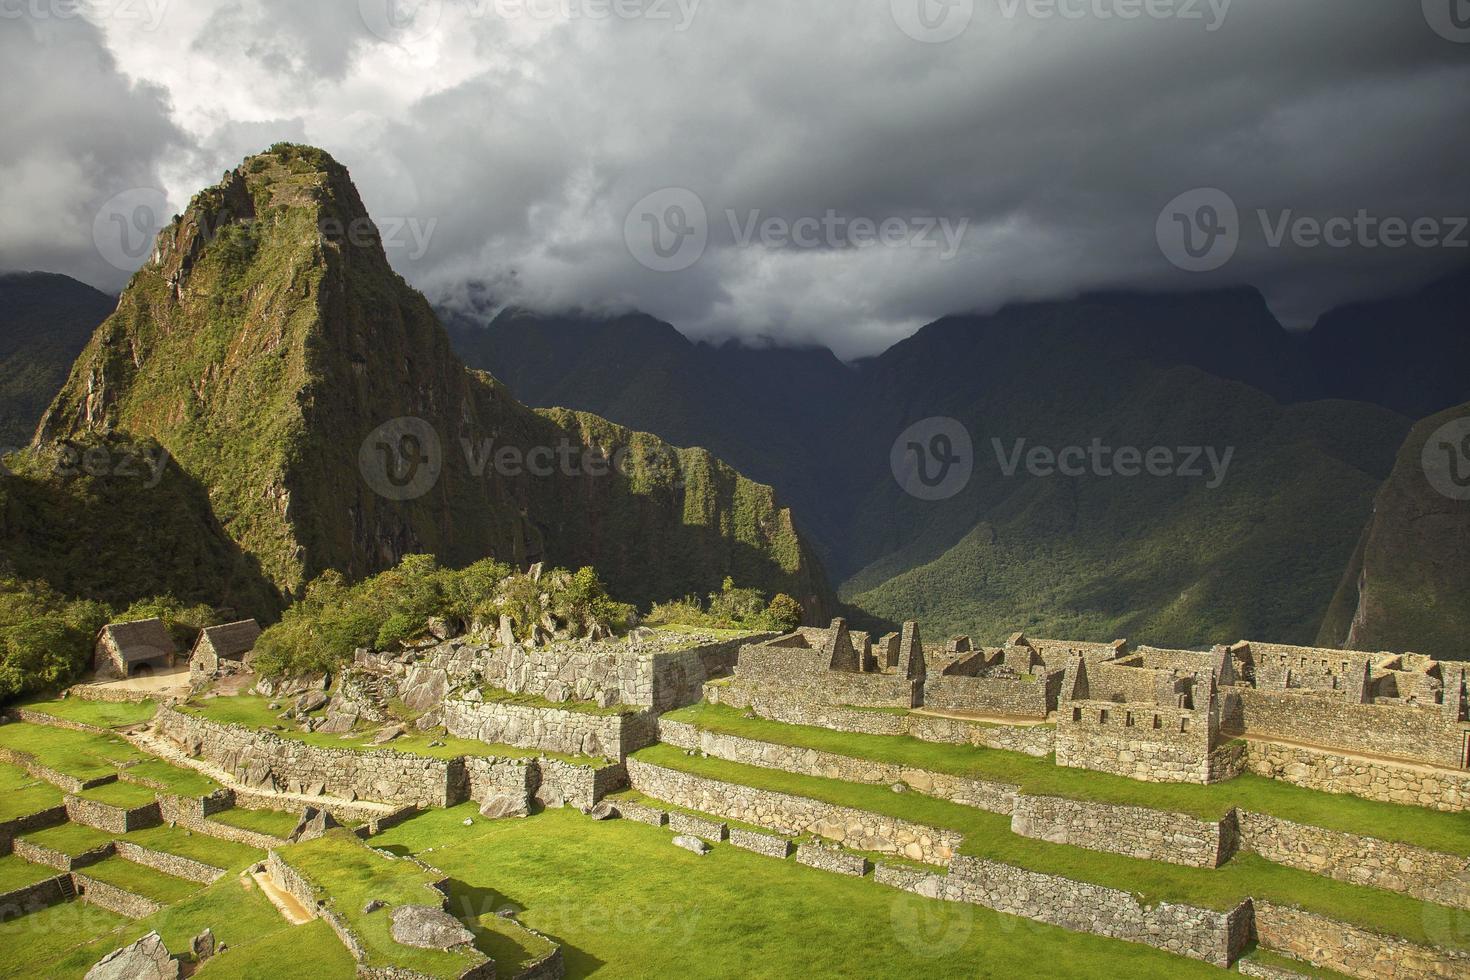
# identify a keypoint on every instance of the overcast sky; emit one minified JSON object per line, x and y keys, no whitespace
{"x":512,"y":144}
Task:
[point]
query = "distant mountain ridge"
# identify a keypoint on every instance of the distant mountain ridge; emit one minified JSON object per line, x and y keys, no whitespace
{"x":274,"y":356}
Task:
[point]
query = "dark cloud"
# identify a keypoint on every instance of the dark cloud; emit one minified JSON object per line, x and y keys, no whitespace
{"x":518,"y":145}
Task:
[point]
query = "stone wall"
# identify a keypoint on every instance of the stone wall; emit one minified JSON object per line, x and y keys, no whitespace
{"x":169,"y":864}
{"x":1416,"y":733}
{"x":40,"y":854}
{"x":105,"y":896}
{"x":1032,"y":740}
{"x":688,"y":823}
{"x":1332,"y":945}
{"x":487,"y":777}
{"x":768,"y":844}
{"x":1426,"y":875}
{"x":796,"y":815}
{"x":31,"y":898}
{"x":1022,"y":697}
{"x":11,"y":829}
{"x":641,"y":813}
{"x":832,"y":859}
{"x":52,"y":721}
{"x":1372,"y":779}
{"x":1153,"y":835}
{"x":1201,"y":934}
{"x":113,"y":819}
{"x":995,"y":797}
{"x":62,"y":781}
{"x":1156,"y":744}
{"x":550,"y":729}
{"x":268,"y":761}
{"x":567,"y":784}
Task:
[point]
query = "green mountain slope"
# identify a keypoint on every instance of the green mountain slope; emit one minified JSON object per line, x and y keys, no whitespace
{"x":45,"y":321}
{"x":268,"y":343}
{"x":1408,"y":585}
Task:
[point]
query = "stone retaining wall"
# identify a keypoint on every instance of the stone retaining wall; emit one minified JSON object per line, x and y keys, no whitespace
{"x":688,"y":823}
{"x":831,"y":859}
{"x":113,"y":899}
{"x":266,"y":760}
{"x":580,"y":786}
{"x":62,"y":781}
{"x":642,"y":814}
{"x":169,"y":864}
{"x":1332,"y":945}
{"x":1154,"y":835}
{"x":995,"y":797}
{"x":39,"y":854}
{"x":1426,"y":875}
{"x":113,"y":819}
{"x":1201,"y":934}
{"x":109,"y":695}
{"x":767,"y":844}
{"x":551,"y":729}
{"x":51,"y":721}
{"x":487,"y":777}
{"x":1436,"y":789}
{"x":31,"y":898}
{"x":11,"y":829}
{"x":342,"y":810}
{"x":1032,"y":740}
{"x":796,"y":815}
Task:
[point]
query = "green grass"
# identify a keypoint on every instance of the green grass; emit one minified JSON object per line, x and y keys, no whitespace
{"x":197,"y":847}
{"x":343,"y":867}
{"x":1447,"y":832}
{"x":70,"y":838}
{"x":140,"y":880}
{"x":102,"y":714}
{"x":272,"y":822}
{"x":495,"y":695}
{"x":83,"y":755}
{"x":22,"y":794}
{"x":169,"y":778}
{"x":308,"y":952}
{"x":124,"y":795}
{"x":254,"y":712}
{"x":1268,"y":958}
{"x":16,"y":873}
{"x":988,"y":835}
{"x":30,"y":943}
{"x":625,"y":903}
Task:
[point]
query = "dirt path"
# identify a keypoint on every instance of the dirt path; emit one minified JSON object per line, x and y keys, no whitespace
{"x":291,"y":910}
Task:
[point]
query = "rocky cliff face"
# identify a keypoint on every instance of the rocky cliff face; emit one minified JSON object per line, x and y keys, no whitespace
{"x":271,"y":349}
{"x":1408,"y":586}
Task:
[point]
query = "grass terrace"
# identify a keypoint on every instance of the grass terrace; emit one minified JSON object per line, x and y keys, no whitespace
{"x":352,"y":874}
{"x":70,"y":838}
{"x":126,"y":796}
{"x":197,"y":847}
{"x":102,"y":714}
{"x":30,"y":944}
{"x":625,"y":903}
{"x":495,"y":695}
{"x":252,"y":711}
{"x":273,"y":823}
{"x":988,"y":835}
{"x":17,"y":873}
{"x":1447,"y":832}
{"x":169,"y":778}
{"x":82,"y":755}
{"x":22,"y":794}
{"x":162,"y":888}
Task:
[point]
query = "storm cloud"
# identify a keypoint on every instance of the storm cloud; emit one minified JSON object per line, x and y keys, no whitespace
{"x":834,"y":172}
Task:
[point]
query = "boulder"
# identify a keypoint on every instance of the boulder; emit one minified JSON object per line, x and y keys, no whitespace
{"x":693,"y":844}
{"x":313,"y":824}
{"x":312,"y":701}
{"x":202,"y":946}
{"x":474,"y":696}
{"x":424,"y":927}
{"x":603,"y":811}
{"x":373,"y":906}
{"x":503,"y":806}
{"x":387,"y":734}
{"x":146,"y":959}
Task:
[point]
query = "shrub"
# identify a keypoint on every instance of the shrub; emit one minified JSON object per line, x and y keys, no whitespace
{"x":731,"y":608}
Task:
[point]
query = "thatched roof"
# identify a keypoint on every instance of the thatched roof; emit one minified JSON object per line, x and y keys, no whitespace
{"x":232,"y":639}
{"x":143,"y":640}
